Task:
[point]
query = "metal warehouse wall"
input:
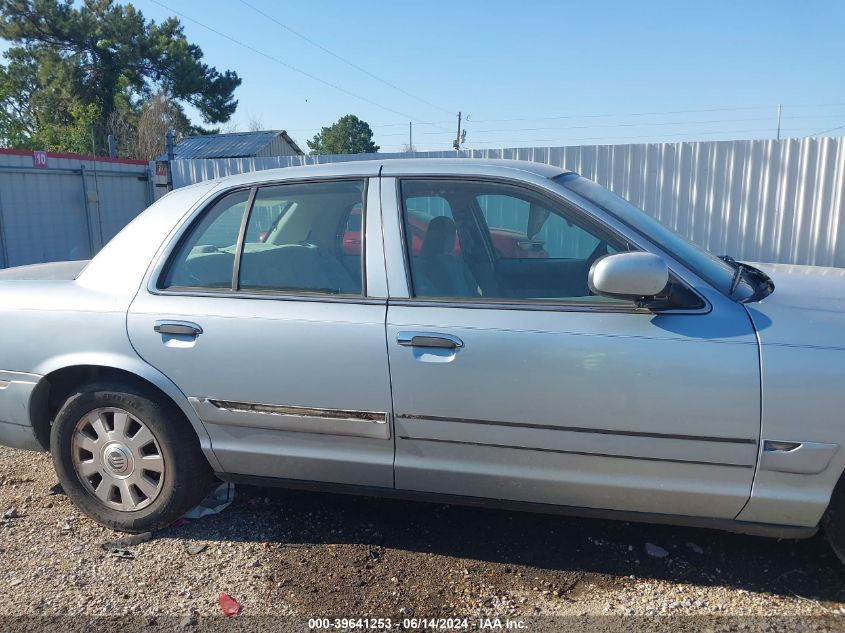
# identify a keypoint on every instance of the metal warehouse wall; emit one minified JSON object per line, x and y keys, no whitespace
{"x":68,"y":209}
{"x":278,"y":147}
{"x":766,"y":201}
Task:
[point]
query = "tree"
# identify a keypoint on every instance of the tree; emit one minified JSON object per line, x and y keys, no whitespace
{"x":144,"y":136}
{"x":350,"y":135}
{"x":94,"y":65}
{"x":254,"y":124}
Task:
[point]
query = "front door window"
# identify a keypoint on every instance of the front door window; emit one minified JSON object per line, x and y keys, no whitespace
{"x":492,"y":241}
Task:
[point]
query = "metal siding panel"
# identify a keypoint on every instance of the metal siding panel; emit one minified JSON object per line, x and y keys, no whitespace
{"x":44,"y":213}
{"x":764,"y":200}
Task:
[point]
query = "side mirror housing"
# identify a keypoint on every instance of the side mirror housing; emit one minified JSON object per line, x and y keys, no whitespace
{"x":635,"y":276}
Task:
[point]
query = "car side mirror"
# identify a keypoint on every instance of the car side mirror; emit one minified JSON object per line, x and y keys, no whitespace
{"x":635,"y":276}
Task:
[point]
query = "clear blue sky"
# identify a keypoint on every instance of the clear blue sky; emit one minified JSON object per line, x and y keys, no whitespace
{"x":531,"y":73}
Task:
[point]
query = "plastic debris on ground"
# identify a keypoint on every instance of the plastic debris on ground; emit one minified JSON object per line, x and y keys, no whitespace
{"x":119,"y":552}
{"x":11,"y":513}
{"x":228,"y":604}
{"x":217,"y":500}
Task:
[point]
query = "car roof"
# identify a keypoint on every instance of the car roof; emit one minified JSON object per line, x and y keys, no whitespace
{"x":398,"y":167}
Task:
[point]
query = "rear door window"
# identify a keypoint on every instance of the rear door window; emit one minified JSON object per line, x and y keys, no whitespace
{"x":206,"y":257}
{"x":305,"y":248}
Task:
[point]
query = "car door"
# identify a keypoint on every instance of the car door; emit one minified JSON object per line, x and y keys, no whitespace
{"x":511,"y":381}
{"x":262,"y":315}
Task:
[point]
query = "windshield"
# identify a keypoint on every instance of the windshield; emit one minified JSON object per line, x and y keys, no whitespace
{"x":717,"y":272}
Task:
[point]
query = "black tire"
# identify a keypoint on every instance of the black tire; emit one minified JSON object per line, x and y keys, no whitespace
{"x":187,"y":476}
{"x":833,"y":522}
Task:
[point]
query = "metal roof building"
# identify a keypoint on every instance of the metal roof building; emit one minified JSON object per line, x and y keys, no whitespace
{"x":237,"y":145}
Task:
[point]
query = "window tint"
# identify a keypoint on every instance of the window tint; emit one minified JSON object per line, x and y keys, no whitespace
{"x":420,"y":211}
{"x":550,"y":235}
{"x":205,"y":258}
{"x":301,"y":237}
{"x":264,"y":216}
{"x":495,"y":241}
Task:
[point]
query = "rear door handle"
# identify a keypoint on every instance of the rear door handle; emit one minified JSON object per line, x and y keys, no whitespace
{"x":179,"y":328}
{"x":429,"y":339}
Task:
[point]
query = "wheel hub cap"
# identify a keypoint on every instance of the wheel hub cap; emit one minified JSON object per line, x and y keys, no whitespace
{"x":118,"y":459}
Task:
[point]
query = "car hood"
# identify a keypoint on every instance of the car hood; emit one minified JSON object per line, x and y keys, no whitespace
{"x":806,"y":308}
{"x":53,"y":271}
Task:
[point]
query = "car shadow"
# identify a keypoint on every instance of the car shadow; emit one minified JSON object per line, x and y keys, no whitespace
{"x":569,"y":549}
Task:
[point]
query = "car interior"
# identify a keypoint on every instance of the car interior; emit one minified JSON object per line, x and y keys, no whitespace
{"x":292,"y":243}
{"x":511,"y":244}
{"x":465,"y":240}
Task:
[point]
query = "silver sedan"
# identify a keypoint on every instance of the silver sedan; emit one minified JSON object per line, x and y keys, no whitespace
{"x":461,"y":330}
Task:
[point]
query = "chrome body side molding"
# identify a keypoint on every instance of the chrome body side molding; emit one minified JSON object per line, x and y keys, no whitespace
{"x":581,"y":429}
{"x":371,"y":424}
{"x":538,"y":449}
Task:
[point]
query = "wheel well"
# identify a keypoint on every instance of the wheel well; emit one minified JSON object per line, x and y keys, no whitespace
{"x":51,"y":393}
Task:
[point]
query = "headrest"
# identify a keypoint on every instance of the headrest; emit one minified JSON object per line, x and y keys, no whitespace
{"x":440,"y":237}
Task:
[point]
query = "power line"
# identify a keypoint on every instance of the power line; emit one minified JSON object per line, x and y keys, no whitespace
{"x":380,"y":125}
{"x":502,"y":143}
{"x":283,"y":63}
{"x":611,"y":125}
{"x":833,"y":129}
{"x":621,"y":114}
{"x":343,"y":59}
{"x":655,"y":113}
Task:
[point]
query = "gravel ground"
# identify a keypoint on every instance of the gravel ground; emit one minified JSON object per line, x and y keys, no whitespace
{"x":281,"y":553}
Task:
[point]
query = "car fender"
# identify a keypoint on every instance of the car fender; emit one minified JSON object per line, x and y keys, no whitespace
{"x":136,"y":366}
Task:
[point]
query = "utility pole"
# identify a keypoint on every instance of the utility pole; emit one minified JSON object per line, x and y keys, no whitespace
{"x":410,"y":136}
{"x":780,"y":111}
{"x":457,"y":142}
{"x":168,"y":146}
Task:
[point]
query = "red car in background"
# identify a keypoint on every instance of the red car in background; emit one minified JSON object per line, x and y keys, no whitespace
{"x":509,"y":244}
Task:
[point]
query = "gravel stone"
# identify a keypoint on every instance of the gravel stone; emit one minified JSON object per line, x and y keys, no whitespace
{"x":342,"y":556}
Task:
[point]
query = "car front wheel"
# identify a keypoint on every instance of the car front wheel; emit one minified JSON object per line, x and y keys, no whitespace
{"x":833,"y":522}
{"x":127,"y":458}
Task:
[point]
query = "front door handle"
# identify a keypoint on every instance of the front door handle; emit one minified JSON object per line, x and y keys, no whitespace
{"x":429,"y":339}
{"x":179,"y":328}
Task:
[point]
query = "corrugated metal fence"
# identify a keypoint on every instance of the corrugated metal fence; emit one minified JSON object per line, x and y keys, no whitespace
{"x":59,"y":206}
{"x":766,"y":201}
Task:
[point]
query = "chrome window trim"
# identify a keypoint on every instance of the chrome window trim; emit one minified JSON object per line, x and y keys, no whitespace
{"x":591,"y":216}
{"x":239,"y":247}
{"x":392,"y":232}
{"x":171,"y":244}
{"x":535,"y":306}
{"x":271,"y":295}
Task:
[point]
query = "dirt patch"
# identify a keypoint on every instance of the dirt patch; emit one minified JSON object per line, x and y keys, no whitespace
{"x":302,"y":555}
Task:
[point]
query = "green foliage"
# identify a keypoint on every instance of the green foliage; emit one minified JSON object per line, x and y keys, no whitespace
{"x":350,"y":135}
{"x":97,"y":64}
